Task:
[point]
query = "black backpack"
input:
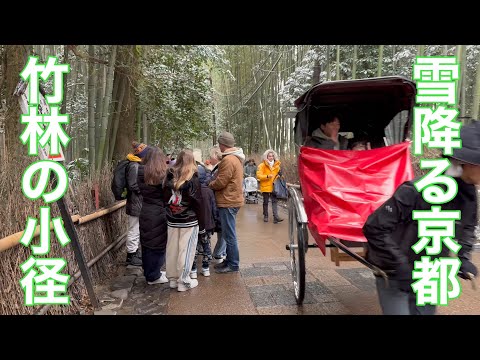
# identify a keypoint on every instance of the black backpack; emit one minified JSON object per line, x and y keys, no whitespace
{"x":119,"y":181}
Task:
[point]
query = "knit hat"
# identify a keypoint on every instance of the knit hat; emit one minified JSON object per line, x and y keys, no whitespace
{"x":226,"y":139}
{"x":139,"y":150}
{"x":470,"y":150}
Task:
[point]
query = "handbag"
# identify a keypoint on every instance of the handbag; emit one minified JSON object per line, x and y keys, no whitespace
{"x":280,"y":187}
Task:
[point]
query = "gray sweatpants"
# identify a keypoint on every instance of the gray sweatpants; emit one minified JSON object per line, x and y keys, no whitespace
{"x":181,"y":246}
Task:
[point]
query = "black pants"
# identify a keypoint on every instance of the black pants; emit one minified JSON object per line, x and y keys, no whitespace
{"x":153,"y":260}
{"x":266,"y":196}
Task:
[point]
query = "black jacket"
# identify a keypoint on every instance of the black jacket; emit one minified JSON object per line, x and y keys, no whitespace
{"x":153,"y":220}
{"x":391,"y":231}
{"x":185,"y":207}
{"x":134,"y":198}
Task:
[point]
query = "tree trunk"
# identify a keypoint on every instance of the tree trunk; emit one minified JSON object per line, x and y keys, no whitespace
{"x":420,"y":50}
{"x":145,"y":128}
{"x":394,"y":51}
{"x":337,"y":75}
{"x":316,"y":72}
{"x":99,"y":104}
{"x":459,"y":50}
{"x":16,"y":58}
{"x":127,"y":54}
{"x":65,"y":82}
{"x":476,"y":92}
{"x":106,"y":105}
{"x":116,"y":121}
{"x":354,"y":62}
{"x":214,"y":121}
{"x":263,"y":114}
{"x":139,"y":124}
{"x":91,"y":107}
{"x":328,"y":62}
{"x":380,"y":60}
{"x":464,"y":84}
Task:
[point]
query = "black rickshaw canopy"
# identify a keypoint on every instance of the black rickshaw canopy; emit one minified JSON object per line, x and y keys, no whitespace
{"x":365,"y":106}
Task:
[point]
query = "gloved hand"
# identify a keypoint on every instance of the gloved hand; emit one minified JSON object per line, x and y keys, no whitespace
{"x":467,"y":267}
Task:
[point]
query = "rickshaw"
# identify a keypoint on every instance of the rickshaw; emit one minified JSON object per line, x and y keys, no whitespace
{"x":339,"y":189}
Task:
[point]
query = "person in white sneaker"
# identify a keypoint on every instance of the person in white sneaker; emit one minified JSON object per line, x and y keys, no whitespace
{"x":182,"y":195}
{"x":153,"y":221}
{"x":210,"y":209}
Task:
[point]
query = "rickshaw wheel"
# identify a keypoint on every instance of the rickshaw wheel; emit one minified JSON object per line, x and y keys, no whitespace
{"x":296,"y":232}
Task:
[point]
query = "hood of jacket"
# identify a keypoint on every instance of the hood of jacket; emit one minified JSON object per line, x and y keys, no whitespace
{"x":131,"y":157}
{"x":238,"y":152}
{"x":265,"y":154}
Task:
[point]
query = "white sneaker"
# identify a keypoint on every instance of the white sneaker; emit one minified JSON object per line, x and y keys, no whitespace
{"x":218,"y":260}
{"x":206,"y":272}
{"x":184,"y":287}
{"x":163,"y":276}
{"x":161,"y":280}
{"x":193,"y":274}
{"x":173,"y":284}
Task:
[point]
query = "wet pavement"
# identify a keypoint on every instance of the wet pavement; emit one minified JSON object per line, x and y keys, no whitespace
{"x":264,"y":284}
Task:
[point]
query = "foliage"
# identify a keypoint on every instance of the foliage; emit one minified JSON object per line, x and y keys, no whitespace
{"x":78,"y":169}
{"x":175,"y":91}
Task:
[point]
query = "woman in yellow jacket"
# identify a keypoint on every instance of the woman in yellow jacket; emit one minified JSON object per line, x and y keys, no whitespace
{"x":266,"y":174}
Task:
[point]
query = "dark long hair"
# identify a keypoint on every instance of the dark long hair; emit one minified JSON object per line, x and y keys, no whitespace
{"x":155,"y":163}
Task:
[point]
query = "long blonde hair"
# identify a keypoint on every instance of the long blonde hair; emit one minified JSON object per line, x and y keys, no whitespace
{"x":184,"y":168}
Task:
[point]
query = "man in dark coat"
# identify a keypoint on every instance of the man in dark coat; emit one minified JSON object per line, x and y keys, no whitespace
{"x":391,"y":232}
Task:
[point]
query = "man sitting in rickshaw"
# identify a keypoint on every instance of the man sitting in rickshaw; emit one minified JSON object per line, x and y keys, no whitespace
{"x":327,"y":137}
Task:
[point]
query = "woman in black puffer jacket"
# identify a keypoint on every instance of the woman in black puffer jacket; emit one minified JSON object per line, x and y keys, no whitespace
{"x":153,"y":222}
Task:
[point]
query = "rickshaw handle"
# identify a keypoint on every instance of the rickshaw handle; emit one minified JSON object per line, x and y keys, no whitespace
{"x":376,"y":270}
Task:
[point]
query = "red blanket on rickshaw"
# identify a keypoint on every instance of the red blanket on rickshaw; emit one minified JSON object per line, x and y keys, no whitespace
{"x":342,"y":188}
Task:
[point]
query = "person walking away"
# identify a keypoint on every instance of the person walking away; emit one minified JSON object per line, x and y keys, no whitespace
{"x":185,"y":219}
{"x":228,"y":187}
{"x":153,"y":221}
{"x":134,"y":203}
{"x":266,"y":174}
{"x":391,"y":232}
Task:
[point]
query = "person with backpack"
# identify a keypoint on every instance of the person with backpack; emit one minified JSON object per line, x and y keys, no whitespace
{"x":125,"y":181}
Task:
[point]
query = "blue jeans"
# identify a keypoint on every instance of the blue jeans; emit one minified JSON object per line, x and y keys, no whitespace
{"x":229,"y":234}
{"x":220,"y":247}
{"x":395,"y":301}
